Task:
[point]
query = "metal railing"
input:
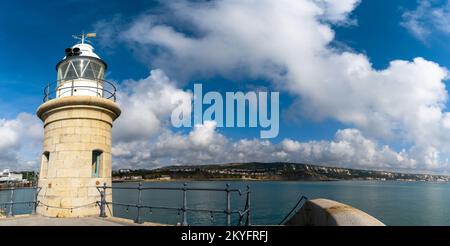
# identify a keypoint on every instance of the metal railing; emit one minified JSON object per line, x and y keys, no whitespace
{"x":184,"y":209}
{"x":243,"y":219}
{"x":61,"y":88}
{"x":10,"y":205}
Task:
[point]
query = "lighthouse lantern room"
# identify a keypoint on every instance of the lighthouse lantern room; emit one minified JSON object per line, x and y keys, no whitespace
{"x":81,"y":71}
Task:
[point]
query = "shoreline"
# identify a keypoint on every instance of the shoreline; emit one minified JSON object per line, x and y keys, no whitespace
{"x":268,"y":180}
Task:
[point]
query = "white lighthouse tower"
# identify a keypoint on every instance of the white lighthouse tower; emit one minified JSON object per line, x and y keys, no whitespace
{"x":78,"y":114}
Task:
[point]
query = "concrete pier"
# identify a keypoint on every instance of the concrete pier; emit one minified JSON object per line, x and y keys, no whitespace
{"x":38,"y":220}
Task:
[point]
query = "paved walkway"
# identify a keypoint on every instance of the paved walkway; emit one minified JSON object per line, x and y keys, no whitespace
{"x":36,"y":220}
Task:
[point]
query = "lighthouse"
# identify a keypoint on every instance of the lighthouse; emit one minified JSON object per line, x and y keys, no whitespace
{"x":78,"y":114}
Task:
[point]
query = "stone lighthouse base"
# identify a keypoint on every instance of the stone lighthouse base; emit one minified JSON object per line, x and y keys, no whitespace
{"x":77,"y":155}
{"x":64,"y":198}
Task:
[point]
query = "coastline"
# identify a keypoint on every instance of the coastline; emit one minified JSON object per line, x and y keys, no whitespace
{"x":270,"y":180}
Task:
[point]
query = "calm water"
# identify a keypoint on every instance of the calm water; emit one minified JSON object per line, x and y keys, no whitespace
{"x":394,"y":203}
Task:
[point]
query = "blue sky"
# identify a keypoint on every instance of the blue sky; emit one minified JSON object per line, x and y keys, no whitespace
{"x":34,"y":34}
{"x":33,"y":45}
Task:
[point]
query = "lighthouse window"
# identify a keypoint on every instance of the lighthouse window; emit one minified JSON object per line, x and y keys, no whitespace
{"x":71,"y":72}
{"x":62,"y":71}
{"x":96,"y":163}
{"x":78,"y":65}
{"x":89,"y":72}
{"x":93,"y":71}
{"x":81,"y":68}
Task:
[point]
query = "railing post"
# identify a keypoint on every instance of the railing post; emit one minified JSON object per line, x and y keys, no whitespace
{"x":247,"y":222}
{"x":103,"y":201}
{"x":11,"y":203}
{"x":138,"y":217}
{"x":184,"y":209}
{"x":228,"y":212}
{"x":35,"y":202}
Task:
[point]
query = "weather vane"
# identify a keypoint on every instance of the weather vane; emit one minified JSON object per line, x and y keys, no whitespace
{"x":84,"y":37}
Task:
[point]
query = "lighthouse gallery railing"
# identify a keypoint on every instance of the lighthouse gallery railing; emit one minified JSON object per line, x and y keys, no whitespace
{"x":60,"y":88}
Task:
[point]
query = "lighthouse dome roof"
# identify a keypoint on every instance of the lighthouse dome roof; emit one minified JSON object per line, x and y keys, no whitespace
{"x":86,"y":50}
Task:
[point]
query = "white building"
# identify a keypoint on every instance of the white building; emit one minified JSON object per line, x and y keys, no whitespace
{"x":8,"y":176}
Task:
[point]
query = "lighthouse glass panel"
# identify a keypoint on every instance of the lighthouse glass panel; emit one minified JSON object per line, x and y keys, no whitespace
{"x":81,"y":68}
{"x":80,"y":76}
{"x":71,"y":72}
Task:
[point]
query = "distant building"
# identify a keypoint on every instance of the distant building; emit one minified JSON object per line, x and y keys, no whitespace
{"x":136,"y":177}
{"x":8,"y":176}
{"x":124,"y":171}
{"x":164,"y":178}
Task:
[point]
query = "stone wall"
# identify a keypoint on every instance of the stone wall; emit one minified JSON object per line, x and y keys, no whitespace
{"x":74,"y":127}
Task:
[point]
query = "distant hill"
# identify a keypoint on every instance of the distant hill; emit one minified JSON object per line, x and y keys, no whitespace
{"x":269,"y":171}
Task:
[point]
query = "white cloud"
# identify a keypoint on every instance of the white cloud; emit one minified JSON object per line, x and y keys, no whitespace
{"x":290,"y":43}
{"x":429,"y":17}
{"x":351,"y":148}
{"x":20,"y":142}
{"x":404,"y":102}
{"x":337,"y":11}
{"x":147,"y":105}
{"x":204,"y":145}
{"x":203,"y":135}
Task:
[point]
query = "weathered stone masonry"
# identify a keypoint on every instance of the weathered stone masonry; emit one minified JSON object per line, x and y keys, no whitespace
{"x":75,"y":127}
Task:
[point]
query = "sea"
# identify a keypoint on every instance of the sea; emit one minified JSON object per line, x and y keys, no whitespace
{"x":392,"y":202}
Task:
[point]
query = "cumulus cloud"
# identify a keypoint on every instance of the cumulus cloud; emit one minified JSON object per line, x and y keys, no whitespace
{"x":351,"y":148}
{"x":204,"y":145}
{"x":143,"y":136}
{"x":337,"y":11}
{"x":156,"y":144}
{"x":147,"y":105}
{"x":20,"y":141}
{"x":289,"y":42}
{"x":429,"y":17}
{"x":404,"y":102}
